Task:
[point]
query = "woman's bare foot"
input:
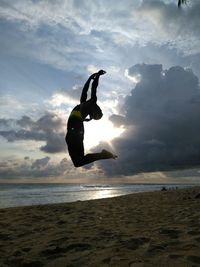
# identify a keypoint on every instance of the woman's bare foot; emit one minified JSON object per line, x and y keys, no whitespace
{"x":101,"y":72}
{"x":108,"y":155}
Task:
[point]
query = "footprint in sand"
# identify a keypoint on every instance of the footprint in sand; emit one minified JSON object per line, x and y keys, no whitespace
{"x":26,"y":249}
{"x":175,"y":256}
{"x":57,"y":251}
{"x":135,"y":243}
{"x":170,"y":232}
{"x":194,"y":259}
{"x":32,"y":264}
{"x":194,"y":232}
{"x":4,"y":237}
{"x":157,"y":248}
{"x":61,"y":222}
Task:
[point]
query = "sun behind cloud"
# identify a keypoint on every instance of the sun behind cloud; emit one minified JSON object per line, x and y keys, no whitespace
{"x":97,"y":131}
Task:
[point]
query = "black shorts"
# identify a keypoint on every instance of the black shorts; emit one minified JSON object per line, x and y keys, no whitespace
{"x":74,"y":139}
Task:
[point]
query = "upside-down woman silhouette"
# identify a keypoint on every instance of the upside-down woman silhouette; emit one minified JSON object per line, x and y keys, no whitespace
{"x":75,"y":128}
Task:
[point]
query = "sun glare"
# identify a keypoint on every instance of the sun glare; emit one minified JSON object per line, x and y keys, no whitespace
{"x":97,"y":131}
{"x":134,"y":78}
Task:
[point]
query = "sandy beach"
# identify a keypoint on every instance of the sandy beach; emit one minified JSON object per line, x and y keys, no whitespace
{"x":146,"y":229}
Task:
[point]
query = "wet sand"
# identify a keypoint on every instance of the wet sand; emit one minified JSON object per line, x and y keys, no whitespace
{"x":146,"y":229}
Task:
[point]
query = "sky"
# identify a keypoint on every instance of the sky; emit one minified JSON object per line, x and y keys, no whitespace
{"x":150,"y":95}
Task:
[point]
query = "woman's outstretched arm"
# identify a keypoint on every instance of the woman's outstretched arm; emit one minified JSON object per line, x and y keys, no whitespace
{"x":85,"y":88}
{"x":95,"y":85}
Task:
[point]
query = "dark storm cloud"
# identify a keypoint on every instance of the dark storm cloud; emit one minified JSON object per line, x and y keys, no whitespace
{"x":29,"y":168}
{"x":12,"y":135}
{"x":3,"y":123}
{"x":40,"y":163}
{"x":25,"y":122}
{"x":7,"y":124}
{"x":49,"y":128}
{"x":161,"y":120}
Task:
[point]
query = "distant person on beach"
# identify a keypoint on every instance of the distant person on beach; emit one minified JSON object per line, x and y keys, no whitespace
{"x":75,"y":128}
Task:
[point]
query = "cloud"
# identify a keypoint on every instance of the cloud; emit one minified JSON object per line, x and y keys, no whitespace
{"x":161,"y":118}
{"x":80,"y":16}
{"x":75,"y":36}
{"x":40,"y":163}
{"x":62,"y":36}
{"x":4,"y":123}
{"x":44,"y":169}
{"x":68,"y":97}
{"x":28,"y":168}
{"x":7,"y":101}
{"x":50,"y":128}
{"x":168,"y":24}
{"x":25,"y":122}
{"x":69,"y":35}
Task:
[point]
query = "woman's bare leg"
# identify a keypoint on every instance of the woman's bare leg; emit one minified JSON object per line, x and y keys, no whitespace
{"x":89,"y":158}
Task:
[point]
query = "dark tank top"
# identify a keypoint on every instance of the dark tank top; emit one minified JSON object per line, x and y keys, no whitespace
{"x":75,"y":121}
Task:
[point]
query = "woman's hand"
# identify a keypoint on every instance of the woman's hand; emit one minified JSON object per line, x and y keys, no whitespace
{"x":101,"y":72}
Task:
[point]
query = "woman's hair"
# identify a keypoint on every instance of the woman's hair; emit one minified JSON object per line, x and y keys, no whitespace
{"x":96,"y":113}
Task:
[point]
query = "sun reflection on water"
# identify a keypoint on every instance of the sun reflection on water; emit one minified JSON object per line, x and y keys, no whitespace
{"x":106,"y":193}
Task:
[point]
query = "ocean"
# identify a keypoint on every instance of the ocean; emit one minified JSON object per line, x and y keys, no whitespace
{"x":14,"y":195}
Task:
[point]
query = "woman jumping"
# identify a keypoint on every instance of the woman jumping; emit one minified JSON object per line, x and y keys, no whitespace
{"x":75,"y":128}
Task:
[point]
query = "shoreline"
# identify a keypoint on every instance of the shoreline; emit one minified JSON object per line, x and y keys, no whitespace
{"x":41,"y":194}
{"x":159,"y":228}
{"x":103,"y":198}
